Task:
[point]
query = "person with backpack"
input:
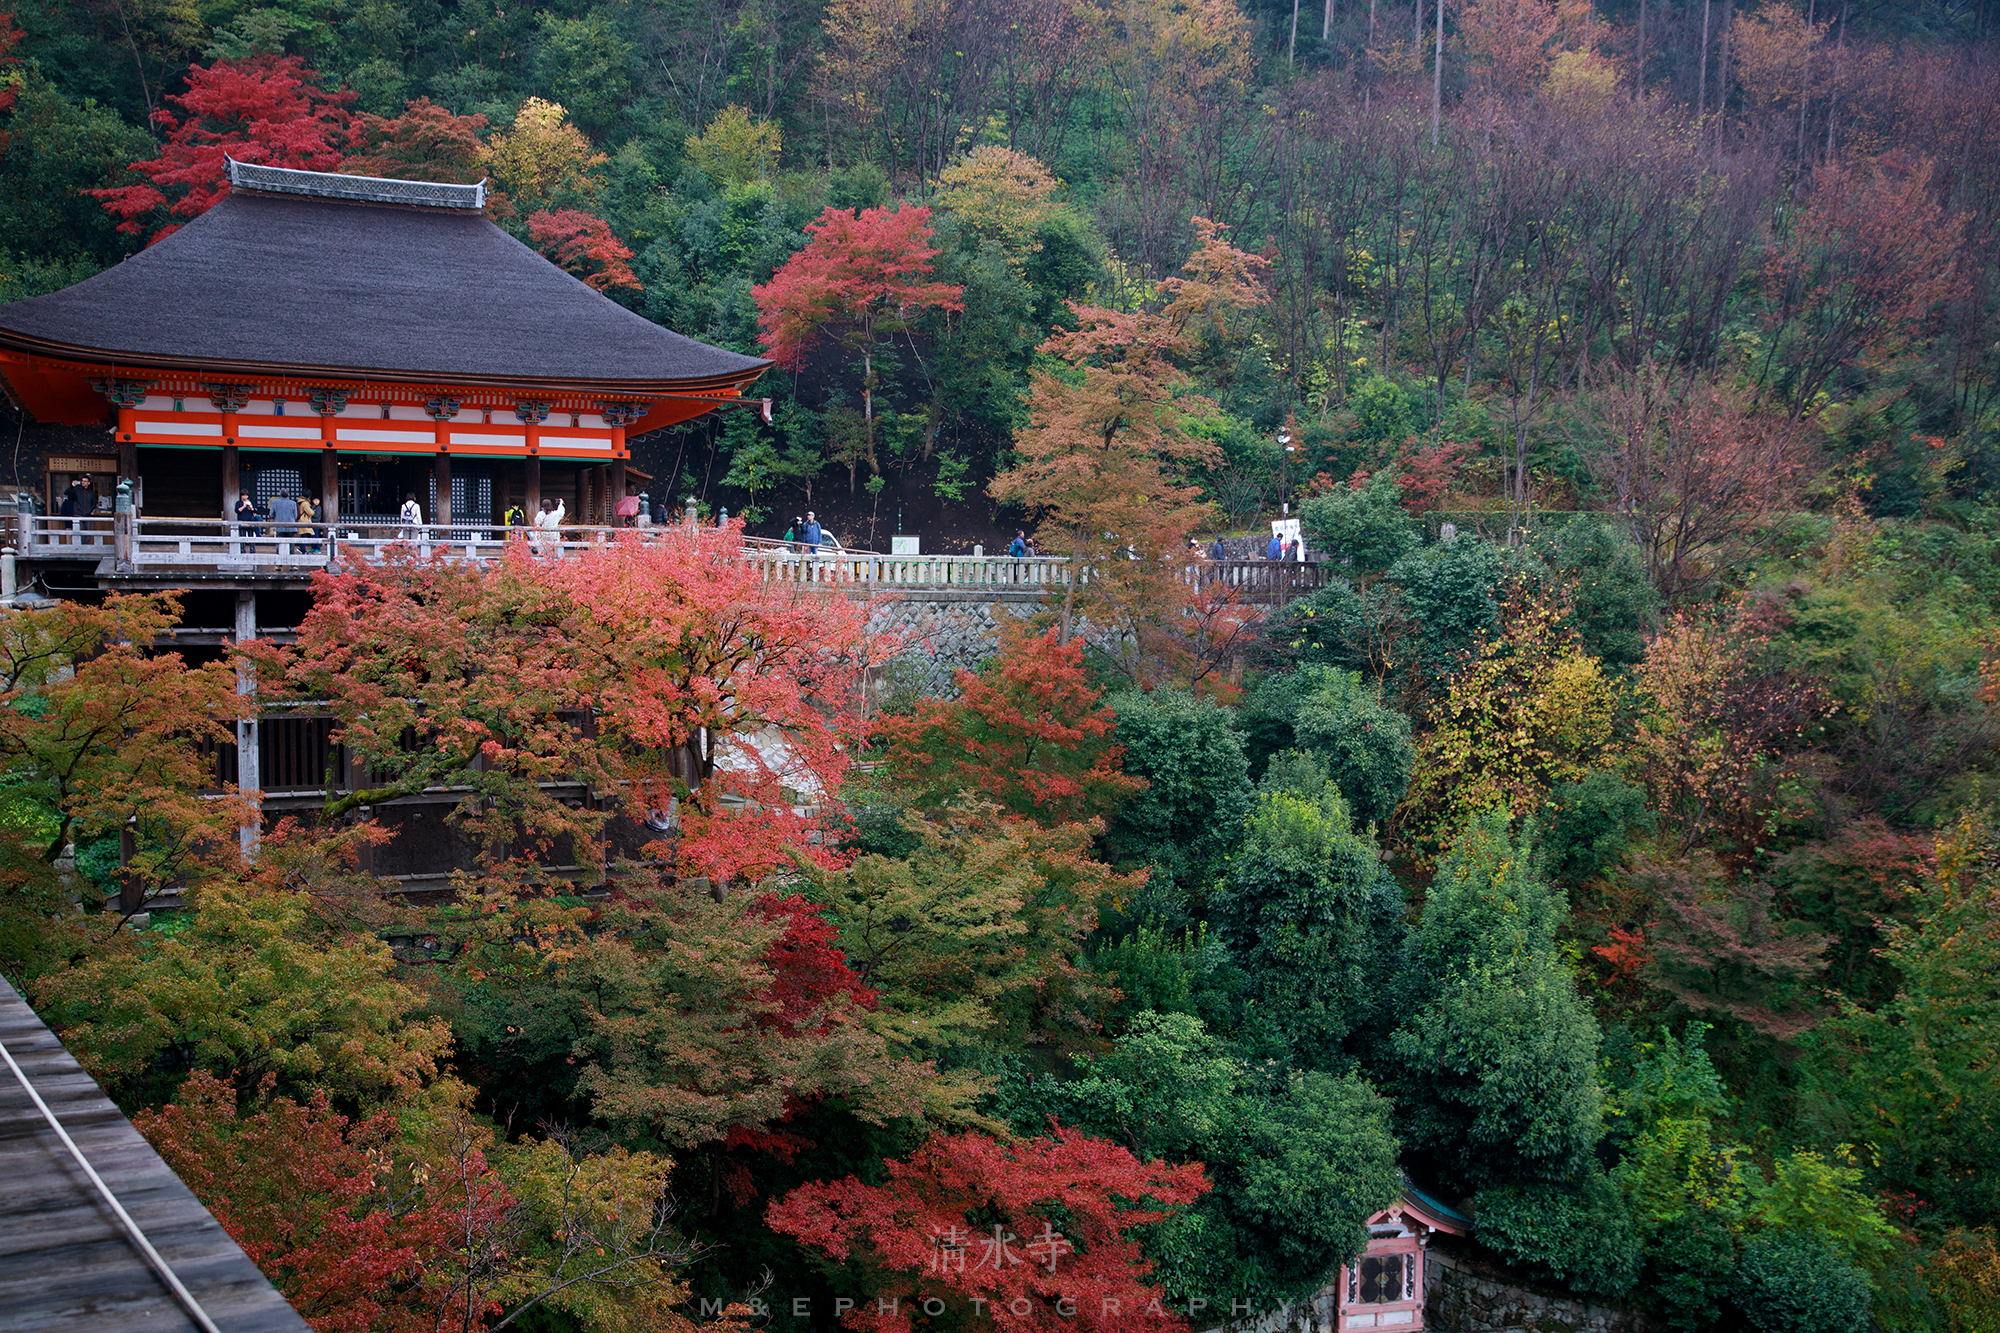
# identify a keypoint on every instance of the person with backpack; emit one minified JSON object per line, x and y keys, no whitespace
{"x":813,"y":534}
{"x":412,"y":519}
{"x":1018,"y":548}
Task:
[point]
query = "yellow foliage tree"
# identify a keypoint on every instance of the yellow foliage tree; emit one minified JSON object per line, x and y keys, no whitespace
{"x":736,"y":148}
{"x":543,"y":155}
{"x":1002,"y":195}
{"x":1529,"y":710}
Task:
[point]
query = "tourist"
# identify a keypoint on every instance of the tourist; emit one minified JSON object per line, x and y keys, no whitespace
{"x":412,"y":519}
{"x":548,"y":524}
{"x":77,"y":502}
{"x":1032,"y":553}
{"x":1218,"y":551}
{"x":1276,"y":550}
{"x":284,"y":517}
{"x":791,"y":537}
{"x":1292,"y":550}
{"x":813,"y":533}
{"x":515,"y":517}
{"x":246,"y":516}
{"x":1018,"y":548}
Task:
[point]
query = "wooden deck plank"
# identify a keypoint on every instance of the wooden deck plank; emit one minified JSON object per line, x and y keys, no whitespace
{"x":65,"y":1264}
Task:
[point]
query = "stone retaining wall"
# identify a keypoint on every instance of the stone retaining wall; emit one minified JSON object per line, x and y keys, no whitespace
{"x":1464,"y":1293}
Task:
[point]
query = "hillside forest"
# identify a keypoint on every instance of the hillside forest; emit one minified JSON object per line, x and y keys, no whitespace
{"x":1610,"y":849}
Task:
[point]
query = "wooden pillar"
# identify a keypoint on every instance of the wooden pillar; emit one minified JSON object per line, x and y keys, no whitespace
{"x":441,"y":410}
{"x":131,"y":889}
{"x":249,"y":773}
{"x":532,"y":501}
{"x":329,"y":486}
{"x":441,"y":478}
{"x":231,"y":480}
{"x":617,"y":475}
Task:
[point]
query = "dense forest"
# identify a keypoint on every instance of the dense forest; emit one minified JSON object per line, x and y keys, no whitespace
{"x":1610,"y":849}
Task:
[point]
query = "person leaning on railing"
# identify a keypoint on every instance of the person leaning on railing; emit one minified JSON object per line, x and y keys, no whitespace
{"x":548,"y":523}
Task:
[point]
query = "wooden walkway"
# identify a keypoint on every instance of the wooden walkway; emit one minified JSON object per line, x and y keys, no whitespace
{"x":65,"y":1263}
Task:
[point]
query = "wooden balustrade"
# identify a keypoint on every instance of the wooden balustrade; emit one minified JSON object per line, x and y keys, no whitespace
{"x":158,"y":545}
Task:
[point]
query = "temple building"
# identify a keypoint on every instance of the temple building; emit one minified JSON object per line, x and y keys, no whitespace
{"x":359,"y":340}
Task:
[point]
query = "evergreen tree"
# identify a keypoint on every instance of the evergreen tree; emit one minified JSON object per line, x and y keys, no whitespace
{"x":1312,"y":914}
{"x":1495,"y":1063}
{"x":1189,"y":817}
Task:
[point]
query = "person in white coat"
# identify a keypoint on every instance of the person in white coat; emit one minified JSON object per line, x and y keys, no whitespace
{"x":548,"y":523}
{"x":412,"y":520}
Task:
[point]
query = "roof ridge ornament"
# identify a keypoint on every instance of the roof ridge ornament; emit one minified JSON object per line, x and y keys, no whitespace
{"x":260,"y":179}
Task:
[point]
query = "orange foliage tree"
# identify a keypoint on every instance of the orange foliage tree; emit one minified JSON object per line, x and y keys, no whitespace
{"x":1105,"y":454}
{"x":366,"y":1229}
{"x":866,"y":271}
{"x":426,"y":142}
{"x":582,"y":244}
{"x":1027,"y":734}
{"x":102,"y":735}
{"x":1720,"y":738}
{"x":710,"y":692}
{"x":1028,"y":1234}
{"x":1870,"y":262}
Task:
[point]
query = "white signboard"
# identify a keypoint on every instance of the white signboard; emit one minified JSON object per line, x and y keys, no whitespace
{"x":1287,"y":531}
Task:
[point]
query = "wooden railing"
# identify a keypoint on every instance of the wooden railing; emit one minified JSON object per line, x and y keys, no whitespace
{"x":162,"y":544}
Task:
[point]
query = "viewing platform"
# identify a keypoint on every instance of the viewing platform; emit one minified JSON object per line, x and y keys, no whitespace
{"x":148,"y":553}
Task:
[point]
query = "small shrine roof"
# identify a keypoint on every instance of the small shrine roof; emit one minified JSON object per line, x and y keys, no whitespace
{"x":314,"y":273}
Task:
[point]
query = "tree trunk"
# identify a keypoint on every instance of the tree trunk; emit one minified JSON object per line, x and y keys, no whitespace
{"x":1437,"y":111}
{"x":1701,"y":80}
{"x":1639,"y":65}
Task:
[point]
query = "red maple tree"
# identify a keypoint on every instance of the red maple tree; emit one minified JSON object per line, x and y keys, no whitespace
{"x":308,"y":1194}
{"x":582,"y":244}
{"x":868,"y":271}
{"x":10,"y":37}
{"x":710,"y":692}
{"x":265,"y":109}
{"x":1029,"y":733}
{"x":1019,"y":1235}
{"x":426,"y":143}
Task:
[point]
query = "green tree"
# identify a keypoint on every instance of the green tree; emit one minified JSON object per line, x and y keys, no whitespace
{"x":1300,"y":1159}
{"x":586,"y":66}
{"x":1189,"y":817}
{"x":1363,"y":745}
{"x":1496,"y":1056}
{"x":1914,"y":1079}
{"x":1364,"y":528}
{"x":1312,"y":914}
